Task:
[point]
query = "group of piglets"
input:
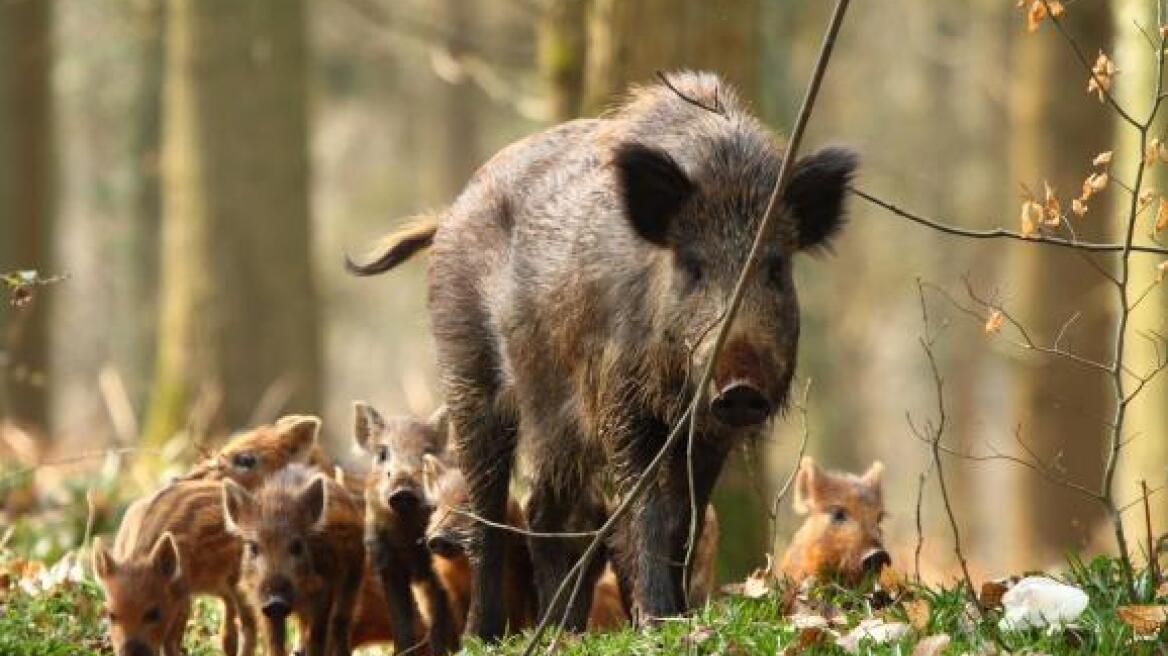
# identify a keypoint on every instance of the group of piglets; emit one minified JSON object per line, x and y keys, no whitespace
{"x":270,"y":526}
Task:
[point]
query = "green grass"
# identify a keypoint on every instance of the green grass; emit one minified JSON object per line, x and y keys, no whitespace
{"x":66,"y":619}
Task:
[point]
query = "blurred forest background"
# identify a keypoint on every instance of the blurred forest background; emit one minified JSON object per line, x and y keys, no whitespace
{"x":197,"y":168}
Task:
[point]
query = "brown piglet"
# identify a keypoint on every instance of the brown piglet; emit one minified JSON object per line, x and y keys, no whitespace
{"x":302,"y":556}
{"x":841,"y":537}
{"x":396,"y":515}
{"x":170,"y":546}
{"x":251,"y":456}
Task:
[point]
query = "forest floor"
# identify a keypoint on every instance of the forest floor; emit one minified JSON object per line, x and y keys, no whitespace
{"x":56,"y":610}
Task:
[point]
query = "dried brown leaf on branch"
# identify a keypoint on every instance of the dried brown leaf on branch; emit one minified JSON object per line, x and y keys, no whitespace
{"x":1051,"y":206}
{"x":1162,"y":216}
{"x":994,"y":322}
{"x":1078,"y":207}
{"x":934,"y":645}
{"x":1037,"y":11}
{"x":1031,"y":216}
{"x":1152,"y":152}
{"x":1101,"y":75}
{"x":1146,"y":199}
{"x":1161,"y":271}
{"x":1102,"y":159}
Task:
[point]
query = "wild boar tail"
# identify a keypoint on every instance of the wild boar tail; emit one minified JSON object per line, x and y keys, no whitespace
{"x":396,"y":247}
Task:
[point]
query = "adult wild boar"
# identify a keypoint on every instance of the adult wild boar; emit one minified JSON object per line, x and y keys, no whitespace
{"x":573,"y":287}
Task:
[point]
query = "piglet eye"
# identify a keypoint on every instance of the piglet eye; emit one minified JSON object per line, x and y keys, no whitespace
{"x":151,"y":616}
{"x":382,"y":453}
{"x":244,"y":460}
{"x":251,"y":548}
{"x":839,"y":515}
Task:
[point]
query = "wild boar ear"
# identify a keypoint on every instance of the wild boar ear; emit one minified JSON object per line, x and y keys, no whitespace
{"x":303,"y":431}
{"x":815,"y":194}
{"x":872,"y":478}
{"x":104,"y":564}
{"x":166,"y":558}
{"x":805,"y":482}
{"x":439,"y":421}
{"x":653,"y":188}
{"x":432,"y":470}
{"x":314,"y":500}
{"x":367,"y":424}
{"x":237,"y":503}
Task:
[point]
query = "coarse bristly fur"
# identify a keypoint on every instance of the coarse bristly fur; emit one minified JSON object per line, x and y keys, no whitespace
{"x":841,"y":536}
{"x":572,"y":290}
{"x":302,"y":556}
{"x":172,"y":545}
{"x":396,"y":514}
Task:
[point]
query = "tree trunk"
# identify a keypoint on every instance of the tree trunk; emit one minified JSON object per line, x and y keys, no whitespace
{"x":26,"y":206}
{"x":1062,"y":408}
{"x":1146,"y":456}
{"x":238,"y":325}
{"x":562,"y":52}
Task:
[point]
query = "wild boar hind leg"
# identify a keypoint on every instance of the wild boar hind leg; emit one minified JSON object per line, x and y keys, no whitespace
{"x":562,"y":500}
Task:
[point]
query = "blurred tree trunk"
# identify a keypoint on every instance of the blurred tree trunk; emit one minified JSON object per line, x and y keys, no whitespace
{"x":26,"y":205}
{"x":1062,"y":408}
{"x":562,"y":52}
{"x":238,"y":327}
{"x":1147,"y":455}
{"x":627,"y":43}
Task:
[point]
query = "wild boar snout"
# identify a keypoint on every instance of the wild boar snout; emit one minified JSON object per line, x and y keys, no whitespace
{"x":741,"y":397}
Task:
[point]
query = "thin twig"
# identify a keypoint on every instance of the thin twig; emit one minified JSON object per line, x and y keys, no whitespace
{"x":920,"y":523}
{"x":999,"y":233}
{"x":648,"y":477}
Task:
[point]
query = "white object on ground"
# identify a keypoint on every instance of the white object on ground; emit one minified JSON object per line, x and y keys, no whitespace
{"x":1041,"y":602}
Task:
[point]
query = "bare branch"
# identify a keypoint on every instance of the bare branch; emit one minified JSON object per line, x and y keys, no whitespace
{"x":999,"y":233}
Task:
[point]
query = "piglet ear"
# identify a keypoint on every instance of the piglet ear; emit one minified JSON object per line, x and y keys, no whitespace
{"x":805,"y":485}
{"x":432,"y":470}
{"x":166,"y":558}
{"x":652,"y":187}
{"x":302,"y":432}
{"x":237,"y":504}
{"x":104,"y":564}
{"x":367,"y":424}
{"x":314,"y":500}
{"x":440,"y":423}
{"x":815,"y":194}
{"x":873,"y":477}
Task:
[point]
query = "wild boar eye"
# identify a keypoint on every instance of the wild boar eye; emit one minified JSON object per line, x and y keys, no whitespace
{"x":691,"y":267}
{"x":151,"y":616}
{"x":839,"y":515}
{"x":245,"y":460}
{"x":251,"y":548}
{"x":296,"y":548}
{"x":776,"y":268}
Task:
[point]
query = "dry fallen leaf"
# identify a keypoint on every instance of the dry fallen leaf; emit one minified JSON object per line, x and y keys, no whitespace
{"x":1162,"y":216}
{"x":932,"y":645}
{"x":1035,"y":15}
{"x":1098,"y":181}
{"x":1102,"y":159}
{"x":992,"y":591}
{"x":994,"y":325}
{"x":806,"y":639}
{"x":1145,"y":620}
{"x":875,"y":630}
{"x":918,"y":611}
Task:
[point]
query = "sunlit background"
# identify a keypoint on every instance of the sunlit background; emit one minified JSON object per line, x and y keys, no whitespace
{"x":198,"y":168}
